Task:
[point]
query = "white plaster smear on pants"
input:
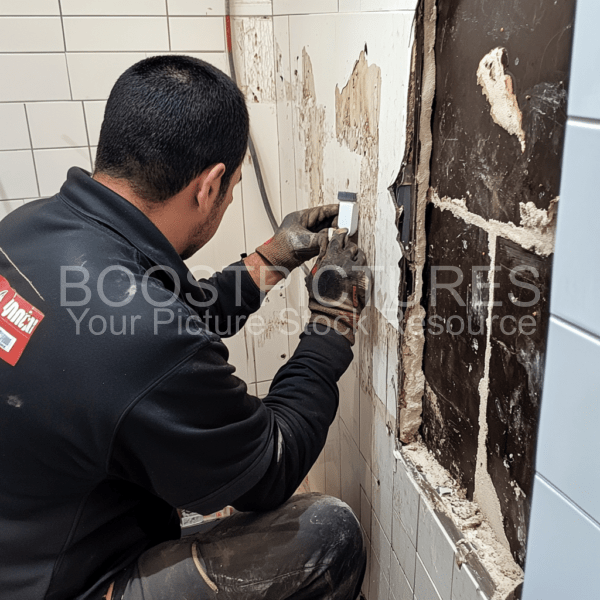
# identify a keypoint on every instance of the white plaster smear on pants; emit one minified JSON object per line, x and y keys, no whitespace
{"x":498,"y":89}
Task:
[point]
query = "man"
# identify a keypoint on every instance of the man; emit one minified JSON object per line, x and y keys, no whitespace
{"x":117,"y":404}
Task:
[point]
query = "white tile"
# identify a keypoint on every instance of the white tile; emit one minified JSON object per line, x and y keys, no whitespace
{"x":464,"y":586}
{"x":204,"y":34}
{"x":365,"y":513}
{"x":7,"y":206}
{"x":575,"y":286}
{"x":238,"y":354}
{"x":351,"y":476}
{"x":33,"y":77}
{"x":399,"y":587}
{"x":251,"y":8}
{"x":349,"y":5}
{"x":406,"y":501}
{"x":304,"y":7}
{"x":424,"y":588}
{"x":316,"y":477}
{"x":373,"y":5}
{"x":562,"y":549}
{"x":333,"y":461}
{"x":114,"y":7}
{"x":29,"y":7}
{"x":57,"y":124}
{"x":52,"y":166}
{"x":17,"y":175}
{"x":262,"y":388}
{"x":383,"y":468}
{"x":31,"y":34}
{"x":93,"y":75}
{"x":111,"y":34}
{"x":14,"y":134}
{"x":93,"y":151}
{"x":404,"y":550}
{"x":380,"y":542}
{"x":436,"y":551}
{"x":94,"y":115}
{"x":197,"y":7}
{"x":570,"y":416}
{"x":349,"y":388}
{"x":584,"y":91}
{"x":366,"y":407}
{"x":365,"y":589}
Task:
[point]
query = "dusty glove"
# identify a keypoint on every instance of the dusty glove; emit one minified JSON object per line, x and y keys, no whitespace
{"x":339,"y":286}
{"x":300,"y":237}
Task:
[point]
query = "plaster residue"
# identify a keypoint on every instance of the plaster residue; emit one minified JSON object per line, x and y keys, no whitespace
{"x":485,"y":493}
{"x":537,"y":231}
{"x":256,"y":62}
{"x":468,"y":518}
{"x":497,"y":86}
{"x":413,"y":379}
{"x":311,"y":122}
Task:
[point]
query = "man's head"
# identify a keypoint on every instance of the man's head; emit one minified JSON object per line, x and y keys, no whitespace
{"x":172,"y":126}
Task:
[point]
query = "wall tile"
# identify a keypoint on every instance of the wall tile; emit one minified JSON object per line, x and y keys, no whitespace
{"x":93,"y":75}
{"x":93,"y":150}
{"x":7,"y":206}
{"x":369,"y":5}
{"x":350,"y":399}
{"x":365,"y":514}
{"x":29,"y":7}
{"x":111,"y":34}
{"x":333,"y":483}
{"x":406,"y":501}
{"x":464,"y":586}
{"x":31,"y":34}
{"x":399,"y":587}
{"x":33,"y":77}
{"x":571,"y":372}
{"x":584,"y":91}
{"x":304,"y":7}
{"x":316,"y":477}
{"x":365,"y":589}
{"x":17,"y":175}
{"x":349,"y":5}
{"x":251,"y":8}
{"x":382,"y":466}
{"x":196,"y":7}
{"x":575,"y":286}
{"x":238,"y":355}
{"x":366,"y":425}
{"x":52,"y":166}
{"x":404,"y":550}
{"x":436,"y":551}
{"x":94,"y":115}
{"x":14,"y":134}
{"x":217,"y":59}
{"x":197,"y":33}
{"x":262,"y":388}
{"x":114,"y":7}
{"x":57,"y":124}
{"x":382,"y":547}
{"x":563,"y":549}
{"x":424,"y":588}
{"x":351,"y":475}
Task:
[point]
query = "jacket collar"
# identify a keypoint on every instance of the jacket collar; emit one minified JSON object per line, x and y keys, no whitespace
{"x":99,"y":203}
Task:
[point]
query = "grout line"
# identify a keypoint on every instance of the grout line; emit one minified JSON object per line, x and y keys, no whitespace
{"x":579,"y":328}
{"x":43,"y":149}
{"x":87,"y":135}
{"x":62,"y":26}
{"x":37,"y":180}
{"x":567,"y":499}
{"x":168,"y":24}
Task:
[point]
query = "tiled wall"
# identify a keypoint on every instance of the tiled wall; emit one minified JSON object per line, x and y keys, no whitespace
{"x":564,"y":538}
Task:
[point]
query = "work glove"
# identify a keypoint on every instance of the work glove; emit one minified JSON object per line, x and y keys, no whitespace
{"x":339,"y":286}
{"x":300,"y":237}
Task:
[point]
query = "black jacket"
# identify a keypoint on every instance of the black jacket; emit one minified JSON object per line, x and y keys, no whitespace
{"x":115,"y":415}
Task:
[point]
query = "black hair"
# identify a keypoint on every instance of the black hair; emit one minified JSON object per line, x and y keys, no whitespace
{"x":167,"y":119}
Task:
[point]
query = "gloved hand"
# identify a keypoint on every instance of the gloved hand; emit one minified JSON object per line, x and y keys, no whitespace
{"x":339,"y":286}
{"x":300,"y":237}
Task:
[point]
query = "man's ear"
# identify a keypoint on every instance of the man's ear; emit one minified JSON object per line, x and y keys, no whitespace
{"x":210,"y":186}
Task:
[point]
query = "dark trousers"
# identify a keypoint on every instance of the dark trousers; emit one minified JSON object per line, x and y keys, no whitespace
{"x":309,"y":548}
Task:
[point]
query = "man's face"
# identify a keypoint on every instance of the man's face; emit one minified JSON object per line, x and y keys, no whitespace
{"x":204,"y":231}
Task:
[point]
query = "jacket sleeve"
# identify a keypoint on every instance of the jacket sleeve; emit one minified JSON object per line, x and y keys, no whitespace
{"x":201,"y":442}
{"x":227,"y":299}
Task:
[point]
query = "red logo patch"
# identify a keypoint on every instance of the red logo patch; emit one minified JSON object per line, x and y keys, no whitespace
{"x":18,"y":321}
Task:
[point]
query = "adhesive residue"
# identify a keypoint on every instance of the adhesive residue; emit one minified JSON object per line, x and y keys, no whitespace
{"x":498,"y":88}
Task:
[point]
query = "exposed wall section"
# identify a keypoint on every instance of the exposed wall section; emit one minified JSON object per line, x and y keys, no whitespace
{"x":498,"y":129}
